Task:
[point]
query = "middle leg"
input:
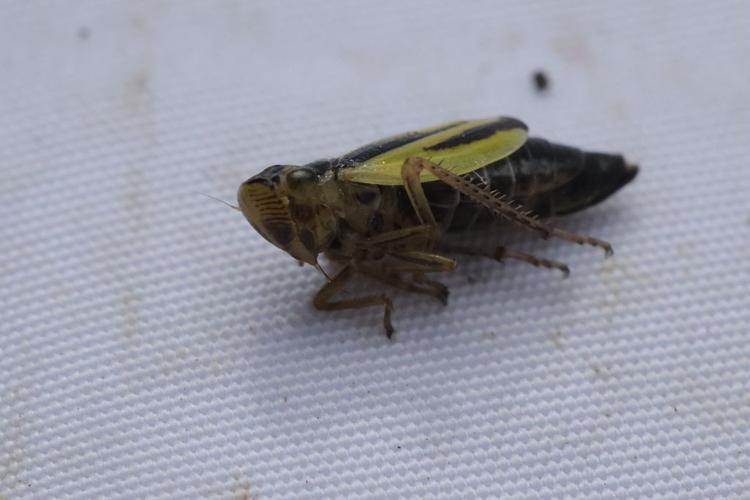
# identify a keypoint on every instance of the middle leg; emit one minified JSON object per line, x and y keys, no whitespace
{"x":418,"y":284}
{"x":501,"y":253}
{"x":324,"y":300}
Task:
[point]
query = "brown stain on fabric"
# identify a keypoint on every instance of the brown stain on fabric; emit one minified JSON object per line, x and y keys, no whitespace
{"x":131,"y":305}
{"x":574,"y":49}
{"x":241,"y":489}
{"x":133,"y":199}
{"x":12,"y":453}
{"x":600,"y":372}
{"x":137,"y":86}
{"x":617,"y":270}
{"x":556,"y":339}
{"x":137,"y":93}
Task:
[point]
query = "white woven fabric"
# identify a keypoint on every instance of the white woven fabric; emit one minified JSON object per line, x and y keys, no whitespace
{"x":153,"y":346}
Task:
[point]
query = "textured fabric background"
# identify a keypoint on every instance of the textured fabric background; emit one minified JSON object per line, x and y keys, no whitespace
{"x":153,"y":346}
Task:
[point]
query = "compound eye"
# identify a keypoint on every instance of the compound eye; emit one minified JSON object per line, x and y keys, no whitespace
{"x":300,"y":177}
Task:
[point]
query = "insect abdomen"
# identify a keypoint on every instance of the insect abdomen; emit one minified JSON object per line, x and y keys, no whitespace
{"x":550,"y":179}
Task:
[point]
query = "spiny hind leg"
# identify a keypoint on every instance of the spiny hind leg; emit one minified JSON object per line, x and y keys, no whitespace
{"x":323,"y":300}
{"x":493,"y":201}
{"x":501,"y":253}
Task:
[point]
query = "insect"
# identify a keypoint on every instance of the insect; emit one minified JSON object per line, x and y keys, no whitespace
{"x":391,"y":210}
{"x":541,"y":80}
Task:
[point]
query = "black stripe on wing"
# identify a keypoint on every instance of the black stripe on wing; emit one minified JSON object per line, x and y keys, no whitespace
{"x":478,"y":133}
{"x":374,"y":149}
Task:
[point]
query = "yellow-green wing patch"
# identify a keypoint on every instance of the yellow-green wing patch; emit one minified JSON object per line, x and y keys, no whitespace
{"x":460,"y":147}
{"x":377,"y":148}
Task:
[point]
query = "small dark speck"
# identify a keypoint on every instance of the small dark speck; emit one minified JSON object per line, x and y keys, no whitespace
{"x":675,"y":409}
{"x":83,"y":33}
{"x":541,"y":80}
{"x":398,"y":447}
{"x":556,"y":339}
{"x":488,"y":336}
{"x":600,"y":372}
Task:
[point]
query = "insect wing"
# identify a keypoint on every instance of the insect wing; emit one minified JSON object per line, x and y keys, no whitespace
{"x":378,"y":148}
{"x":459,"y":147}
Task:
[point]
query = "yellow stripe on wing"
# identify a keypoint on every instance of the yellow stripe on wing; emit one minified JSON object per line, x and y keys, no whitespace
{"x":461,"y":149}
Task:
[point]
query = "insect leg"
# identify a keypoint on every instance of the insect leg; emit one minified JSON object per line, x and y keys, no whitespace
{"x":441,"y":290}
{"x":418,"y":284}
{"x":406,"y":255}
{"x":500,"y":253}
{"x":408,"y":236}
{"x":418,"y":261}
{"x":410,"y":171}
{"x":496,"y":203}
{"x":323,"y":299}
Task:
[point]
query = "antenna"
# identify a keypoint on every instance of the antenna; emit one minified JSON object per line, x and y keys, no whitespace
{"x":221,"y":201}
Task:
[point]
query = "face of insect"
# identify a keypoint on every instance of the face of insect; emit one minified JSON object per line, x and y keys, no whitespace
{"x":271,"y":203}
